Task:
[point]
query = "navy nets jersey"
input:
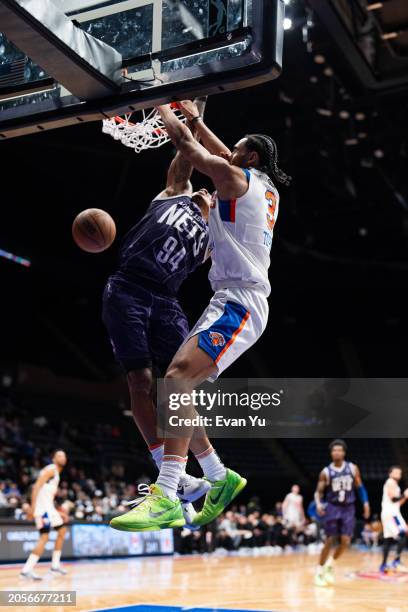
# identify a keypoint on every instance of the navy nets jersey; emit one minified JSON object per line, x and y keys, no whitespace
{"x":341,"y":484}
{"x":167,"y":244}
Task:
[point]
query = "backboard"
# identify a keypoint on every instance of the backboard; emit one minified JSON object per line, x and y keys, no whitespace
{"x":170,"y":49}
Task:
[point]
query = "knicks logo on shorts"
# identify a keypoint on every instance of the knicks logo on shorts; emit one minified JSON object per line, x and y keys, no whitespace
{"x":217,"y":339}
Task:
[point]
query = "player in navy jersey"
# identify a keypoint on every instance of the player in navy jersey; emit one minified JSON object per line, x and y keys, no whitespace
{"x":339,"y":482}
{"x":144,"y":320}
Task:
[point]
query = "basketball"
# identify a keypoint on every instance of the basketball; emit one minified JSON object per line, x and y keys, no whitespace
{"x":93,"y":230}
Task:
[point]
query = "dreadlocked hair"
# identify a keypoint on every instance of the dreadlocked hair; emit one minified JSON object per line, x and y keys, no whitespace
{"x":267,"y":150}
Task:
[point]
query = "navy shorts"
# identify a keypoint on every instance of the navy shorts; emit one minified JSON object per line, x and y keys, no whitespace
{"x":145,"y":328}
{"x":339,"y":520}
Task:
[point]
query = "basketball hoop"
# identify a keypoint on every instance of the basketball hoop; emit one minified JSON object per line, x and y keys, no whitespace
{"x":147,"y":133}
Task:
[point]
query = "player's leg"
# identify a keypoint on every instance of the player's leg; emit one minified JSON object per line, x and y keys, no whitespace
{"x":162,"y":509}
{"x":56,"y":554}
{"x":332,"y":527}
{"x":126,"y":313}
{"x":345,"y":526}
{"x":401,"y":545}
{"x":344,"y":543}
{"x":34,"y":557}
{"x":168,"y":330}
{"x":232,"y":323}
{"x":140,"y":384}
{"x":325,"y":554}
{"x":391,"y":533}
{"x":388,"y":543}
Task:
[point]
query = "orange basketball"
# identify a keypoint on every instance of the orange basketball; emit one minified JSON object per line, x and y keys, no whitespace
{"x":93,"y":230}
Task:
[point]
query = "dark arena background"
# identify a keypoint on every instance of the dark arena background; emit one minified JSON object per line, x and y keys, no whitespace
{"x":338,"y":309}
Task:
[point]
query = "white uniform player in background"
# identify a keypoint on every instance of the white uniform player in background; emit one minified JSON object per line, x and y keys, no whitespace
{"x":292,"y":509}
{"x":243,"y":212}
{"x":46,"y":516}
{"x":393,"y":523}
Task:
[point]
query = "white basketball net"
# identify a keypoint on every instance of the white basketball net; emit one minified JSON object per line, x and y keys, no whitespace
{"x":146,"y":133}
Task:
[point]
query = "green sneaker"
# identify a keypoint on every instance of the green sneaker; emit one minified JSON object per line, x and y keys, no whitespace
{"x":328,"y":574}
{"x":152,"y":513}
{"x":222,"y":492}
{"x":320,"y":580}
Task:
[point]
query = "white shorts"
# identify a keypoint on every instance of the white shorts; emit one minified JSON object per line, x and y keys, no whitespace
{"x":232,"y":322}
{"x":394,"y":525}
{"x":47,"y":518}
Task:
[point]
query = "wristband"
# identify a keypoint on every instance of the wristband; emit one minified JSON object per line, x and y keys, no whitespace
{"x":362,"y":493}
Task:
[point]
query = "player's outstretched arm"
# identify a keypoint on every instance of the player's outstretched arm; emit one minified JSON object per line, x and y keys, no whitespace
{"x":181,"y":169}
{"x":215,"y":146}
{"x":362,"y":492}
{"x":318,"y":496}
{"x":229,"y":181}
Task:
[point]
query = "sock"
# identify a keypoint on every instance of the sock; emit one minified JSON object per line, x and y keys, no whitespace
{"x":56,"y":556}
{"x":185,"y":478}
{"x":401,"y":546}
{"x":329,"y":562}
{"x":157,"y":451}
{"x":388,"y":542}
{"x":30,"y":563}
{"x":170,"y":472}
{"x":211,"y":465}
{"x":319,"y":569}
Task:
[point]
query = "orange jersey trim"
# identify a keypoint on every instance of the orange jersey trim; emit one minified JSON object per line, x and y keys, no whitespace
{"x":234,"y":335}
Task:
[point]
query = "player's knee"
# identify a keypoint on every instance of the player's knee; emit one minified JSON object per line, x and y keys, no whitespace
{"x":177,"y":370}
{"x":140,"y":382}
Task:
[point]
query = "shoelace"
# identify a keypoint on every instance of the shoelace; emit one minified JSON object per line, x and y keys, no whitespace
{"x":143,"y":491}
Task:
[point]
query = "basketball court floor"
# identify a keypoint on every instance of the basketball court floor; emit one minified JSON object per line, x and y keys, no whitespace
{"x":189,"y":583}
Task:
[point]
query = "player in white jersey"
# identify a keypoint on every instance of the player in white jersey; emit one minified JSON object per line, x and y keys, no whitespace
{"x":46,"y":516}
{"x":292,"y":509}
{"x":394,"y":525}
{"x":243,"y":212}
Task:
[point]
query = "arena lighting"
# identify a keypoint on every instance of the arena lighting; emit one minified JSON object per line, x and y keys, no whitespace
{"x":344,"y":114}
{"x":360,"y":116}
{"x":375,"y":6}
{"x":390,"y":35}
{"x":328,"y":71}
{"x":362,"y":135}
{"x":379,"y":153}
{"x":287,"y":23}
{"x":351,"y":142}
{"x":15,"y":258}
{"x":319,"y":59}
{"x":325,"y":112}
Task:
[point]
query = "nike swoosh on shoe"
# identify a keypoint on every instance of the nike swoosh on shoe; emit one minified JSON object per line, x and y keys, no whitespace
{"x":215,"y":500}
{"x":157,"y":514}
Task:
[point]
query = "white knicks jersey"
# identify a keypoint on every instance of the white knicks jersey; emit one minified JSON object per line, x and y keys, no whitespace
{"x":241,"y":232}
{"x":388,"y":506}
{"x":46,"y":495}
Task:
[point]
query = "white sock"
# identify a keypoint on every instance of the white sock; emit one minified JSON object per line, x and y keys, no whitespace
{"x":157,"y":451}
{"x":56,"y":557}
{"x":319,"y":569}
{"x":329,"y":562}
{"x":211,"y":465}
{"x":170,"y":472}
{"x":30,"y":563}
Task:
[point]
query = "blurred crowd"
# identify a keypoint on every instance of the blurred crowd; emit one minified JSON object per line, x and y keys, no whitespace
{"x":249,"y":526}
{"x":80,"y":496}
